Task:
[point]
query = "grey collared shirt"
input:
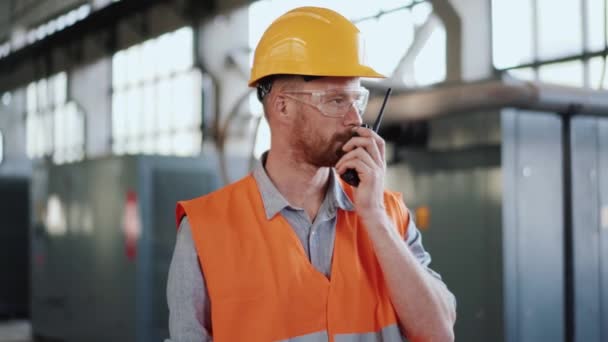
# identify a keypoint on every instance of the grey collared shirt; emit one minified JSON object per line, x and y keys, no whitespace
{"x":187,"y":297}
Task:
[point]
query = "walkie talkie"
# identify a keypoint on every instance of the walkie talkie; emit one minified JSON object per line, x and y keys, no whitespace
{"x":350,"y":176}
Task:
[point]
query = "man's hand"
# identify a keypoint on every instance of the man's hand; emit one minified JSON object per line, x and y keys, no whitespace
{"x":365,"y":154}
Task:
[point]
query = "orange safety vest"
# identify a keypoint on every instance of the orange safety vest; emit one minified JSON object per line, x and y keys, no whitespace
{"x":262,"y":286}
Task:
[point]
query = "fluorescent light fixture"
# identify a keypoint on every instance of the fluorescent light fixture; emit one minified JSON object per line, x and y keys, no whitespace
{"x":83,"y":11}
{"x":6,"y":98}
{"x":1,"y":147}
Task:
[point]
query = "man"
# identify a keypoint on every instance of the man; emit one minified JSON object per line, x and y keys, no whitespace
{"x":290,"y":252}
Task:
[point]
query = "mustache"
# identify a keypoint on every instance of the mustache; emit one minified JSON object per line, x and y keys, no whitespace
{"x":343,"y":136}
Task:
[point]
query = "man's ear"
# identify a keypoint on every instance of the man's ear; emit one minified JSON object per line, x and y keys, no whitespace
{"x":280,"y":106}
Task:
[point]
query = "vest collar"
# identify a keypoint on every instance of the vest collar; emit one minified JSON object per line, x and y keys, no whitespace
{"x":274,"y":201}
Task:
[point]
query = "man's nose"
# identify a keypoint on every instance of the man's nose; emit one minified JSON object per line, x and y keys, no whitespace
{"x":353,"y":117}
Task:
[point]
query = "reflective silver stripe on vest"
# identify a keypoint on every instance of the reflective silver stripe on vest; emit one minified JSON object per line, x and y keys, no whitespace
{"x":320,"y":336}
{"x":390,"y":333}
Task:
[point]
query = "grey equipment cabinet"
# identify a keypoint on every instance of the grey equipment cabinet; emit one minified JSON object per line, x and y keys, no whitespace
{"x":91,"y":280}
{"x":516,"y":178}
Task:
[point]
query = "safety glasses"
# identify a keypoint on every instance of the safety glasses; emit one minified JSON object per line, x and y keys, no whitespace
{"x":334,"y":103}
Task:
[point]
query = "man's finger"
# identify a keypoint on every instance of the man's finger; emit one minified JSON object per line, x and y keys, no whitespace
{"x":368,"y":144}
{"x":357,"y":154}
{"x":366,"y":132}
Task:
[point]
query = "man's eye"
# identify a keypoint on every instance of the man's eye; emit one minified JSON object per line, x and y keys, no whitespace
{"x":337,"y":101}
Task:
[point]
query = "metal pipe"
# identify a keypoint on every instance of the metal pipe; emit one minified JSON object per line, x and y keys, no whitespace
{"x":490,"y":95}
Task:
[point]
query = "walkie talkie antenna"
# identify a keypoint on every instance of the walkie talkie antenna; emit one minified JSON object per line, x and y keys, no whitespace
{"x":381,"y":114}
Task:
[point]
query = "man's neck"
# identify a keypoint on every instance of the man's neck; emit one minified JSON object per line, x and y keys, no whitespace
{"x":303,"y":185}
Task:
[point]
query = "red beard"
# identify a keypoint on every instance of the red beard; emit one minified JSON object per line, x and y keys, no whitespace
{"x":318,"y":151}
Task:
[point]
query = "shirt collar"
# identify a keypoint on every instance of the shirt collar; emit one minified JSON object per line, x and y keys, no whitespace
{"x":274,"y":201}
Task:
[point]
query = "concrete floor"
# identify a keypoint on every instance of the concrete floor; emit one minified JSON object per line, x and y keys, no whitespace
{"x":15,"y":331}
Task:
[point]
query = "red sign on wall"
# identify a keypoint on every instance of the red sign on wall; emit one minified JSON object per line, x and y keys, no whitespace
{"x":131,"y":225}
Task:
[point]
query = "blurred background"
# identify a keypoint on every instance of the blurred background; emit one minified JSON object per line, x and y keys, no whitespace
{"x":111,"y":111}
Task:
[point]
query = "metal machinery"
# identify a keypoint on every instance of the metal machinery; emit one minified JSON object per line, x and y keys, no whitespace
{"x":515,"y":177}
{"x":14,"y":245}
{"x":103,"y":232}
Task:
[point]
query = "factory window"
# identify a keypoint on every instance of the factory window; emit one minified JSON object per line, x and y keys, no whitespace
{"x":526,"y":74}
{"x":157,"y":97}
{"x":54,"y":125}
{"x":595,"y":73}
{"x":555,"y":41}
{"x":565,"y":73}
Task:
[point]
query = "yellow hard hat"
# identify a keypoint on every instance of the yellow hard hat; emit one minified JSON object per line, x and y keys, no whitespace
{"x":311,"y":41}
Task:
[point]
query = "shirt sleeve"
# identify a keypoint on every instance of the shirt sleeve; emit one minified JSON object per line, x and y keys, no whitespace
{"x":187,"y":297}
{"x":413,"y":238}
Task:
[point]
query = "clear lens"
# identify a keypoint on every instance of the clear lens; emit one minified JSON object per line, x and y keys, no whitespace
{"x":337,"y":102}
